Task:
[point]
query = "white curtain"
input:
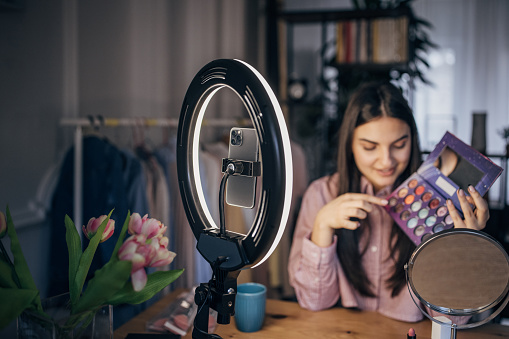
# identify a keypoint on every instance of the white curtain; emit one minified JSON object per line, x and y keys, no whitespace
{"x":470,"y":70}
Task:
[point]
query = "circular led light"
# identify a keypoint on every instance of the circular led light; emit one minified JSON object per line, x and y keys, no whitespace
{"x":263,"y":108}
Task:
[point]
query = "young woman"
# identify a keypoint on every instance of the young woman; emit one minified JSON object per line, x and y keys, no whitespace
{"x":346,"y":247}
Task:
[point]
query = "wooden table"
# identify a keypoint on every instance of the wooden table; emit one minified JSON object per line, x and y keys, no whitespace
{"x":288,"y":320}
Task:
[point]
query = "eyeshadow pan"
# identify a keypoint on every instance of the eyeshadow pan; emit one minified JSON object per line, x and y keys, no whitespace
{"x":448,"y":220}
{"x":405,"y":215}
{"x":419,"y":190}
{"x":412,"y":222}
{"x":423,"y":213}
{"x":426,"y":237}
{"x":430,"y":221}
{"x":438,"y":228}
{"x":416,"y":206}
{"x":412,"y":183}
{"x":402,"y":192}
{"x":427,"y":196}
{"x":434,"y":203}
{"x":393,"y":201}
{"x":399,"y":208}
{"x":442,"y":210}
{"x":409,"y":199}
{"x":419,"y":230}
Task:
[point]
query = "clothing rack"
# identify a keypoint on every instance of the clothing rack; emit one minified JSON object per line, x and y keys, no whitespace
{"x":99,"y":121}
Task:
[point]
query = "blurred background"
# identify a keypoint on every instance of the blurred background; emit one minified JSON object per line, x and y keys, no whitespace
{"x":61,"y":60}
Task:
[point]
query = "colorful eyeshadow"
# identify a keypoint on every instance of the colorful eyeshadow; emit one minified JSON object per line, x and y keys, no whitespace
{"x":399,"y":208}
{"x":402,"y":192}
{"x":419,"y":230}
{"x":442,"y":211}
{"x":412,"y":223}
{"x":409,"y":199}
{"x":448,"y":220}
{"x":431,"y":220}
{"x":426,"y":237}
{"x":393,"y":201}
{"x":423,"y":213}
{"x":416,"y":206}
{"x":427,"y":196}
{"x":405,"y":215}
{"x":419,"y":190}
{"x":438,"y":228}
{"x":434,"y":203}
{"x":412,"y":183}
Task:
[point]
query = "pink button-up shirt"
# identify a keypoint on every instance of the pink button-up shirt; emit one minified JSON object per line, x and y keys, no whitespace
{"x":317,"y":275}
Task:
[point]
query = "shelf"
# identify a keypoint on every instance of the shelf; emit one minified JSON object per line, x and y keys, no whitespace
{"x":337,"y":15}
{"x":375,"y":67}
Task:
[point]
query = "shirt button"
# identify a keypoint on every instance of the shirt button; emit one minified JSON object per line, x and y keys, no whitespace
{"x":374,"y":248}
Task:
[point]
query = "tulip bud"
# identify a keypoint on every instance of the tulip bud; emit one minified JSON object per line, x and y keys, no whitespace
{"x":3,"y":225}
{"x":93,"y":224}
{"x":148,"y":226}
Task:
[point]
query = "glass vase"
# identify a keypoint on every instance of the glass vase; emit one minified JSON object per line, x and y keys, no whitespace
{"x":62,"y":325}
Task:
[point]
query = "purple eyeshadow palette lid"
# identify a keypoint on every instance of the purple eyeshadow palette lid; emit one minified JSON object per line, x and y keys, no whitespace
{"x":418,"y":205}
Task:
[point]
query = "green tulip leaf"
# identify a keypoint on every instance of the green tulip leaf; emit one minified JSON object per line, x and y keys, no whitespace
{"x":121,"y":236}
{"x":155,"y":282}
{"x":14,"y":302}
{"x":6,"y":278}
{"x":87,"y":256}
{"x":107,"y":281}
{"x":73,"y":240}
{"x":20,"y":265}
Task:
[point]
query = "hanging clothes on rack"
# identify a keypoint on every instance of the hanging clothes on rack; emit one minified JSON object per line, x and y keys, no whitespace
{"x":103,"y":191}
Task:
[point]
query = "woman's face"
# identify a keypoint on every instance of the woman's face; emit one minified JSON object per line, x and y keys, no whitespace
{"x":381,"y":149}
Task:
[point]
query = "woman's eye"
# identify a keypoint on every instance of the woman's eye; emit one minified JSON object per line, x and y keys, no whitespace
{"x":400,"y":145}
{"x":369,"y":148}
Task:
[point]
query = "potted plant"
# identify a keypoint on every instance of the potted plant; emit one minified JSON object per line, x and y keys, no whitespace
{"x":122,"y":280}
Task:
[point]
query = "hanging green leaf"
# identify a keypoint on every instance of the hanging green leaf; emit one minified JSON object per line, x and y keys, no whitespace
{"x":20,"y":265}
{"x":14,"y":302}
{"x":106,"y":282}
{"x":155,"y":282}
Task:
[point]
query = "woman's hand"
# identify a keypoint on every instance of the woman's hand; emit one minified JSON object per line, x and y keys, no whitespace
{"x":474,"y":218}
{"x":343,"y":212}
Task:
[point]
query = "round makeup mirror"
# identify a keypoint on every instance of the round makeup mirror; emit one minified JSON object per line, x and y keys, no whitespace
{"x":460,"y":272}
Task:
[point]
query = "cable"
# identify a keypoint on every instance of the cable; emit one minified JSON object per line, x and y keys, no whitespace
{"x":230,"y":170}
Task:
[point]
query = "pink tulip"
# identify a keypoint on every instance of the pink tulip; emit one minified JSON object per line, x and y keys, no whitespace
{"x":147,"y":226}
{"x":162,"y":256}
{"x":143,"y":252}
{"x":3,"y":225}
{"x":93,"y":224}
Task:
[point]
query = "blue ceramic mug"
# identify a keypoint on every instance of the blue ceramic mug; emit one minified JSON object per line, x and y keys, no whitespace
{"x":250,"y":307}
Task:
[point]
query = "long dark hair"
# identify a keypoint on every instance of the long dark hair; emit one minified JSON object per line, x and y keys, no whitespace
{"x":371,"y":101}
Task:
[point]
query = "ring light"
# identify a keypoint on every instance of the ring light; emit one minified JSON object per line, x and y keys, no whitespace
{"x":228,"y":252}
{"x":459,"y":272}
{"x":276,"y":163}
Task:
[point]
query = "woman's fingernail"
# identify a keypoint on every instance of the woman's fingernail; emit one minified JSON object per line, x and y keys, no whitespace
{"x":471,"y":189}
{"x":461,"y":193}
{"x":384,"y":202}
{"x":449,"y":202}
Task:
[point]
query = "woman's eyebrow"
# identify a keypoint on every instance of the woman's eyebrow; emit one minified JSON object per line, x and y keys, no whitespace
{"x":376,"y":143}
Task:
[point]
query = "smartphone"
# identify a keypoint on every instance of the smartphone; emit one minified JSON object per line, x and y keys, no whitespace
{"x":241,"y":190}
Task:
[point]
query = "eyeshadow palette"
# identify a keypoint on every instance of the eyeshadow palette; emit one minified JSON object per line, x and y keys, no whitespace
{"x":418,"y":205}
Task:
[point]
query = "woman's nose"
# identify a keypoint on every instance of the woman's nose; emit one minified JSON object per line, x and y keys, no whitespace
{"x":386,"y":158}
